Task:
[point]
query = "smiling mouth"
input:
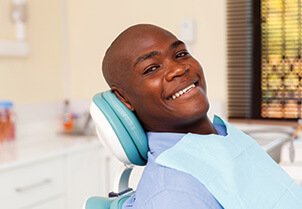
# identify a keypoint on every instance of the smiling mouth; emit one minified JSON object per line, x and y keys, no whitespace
{"x":182,"y":92}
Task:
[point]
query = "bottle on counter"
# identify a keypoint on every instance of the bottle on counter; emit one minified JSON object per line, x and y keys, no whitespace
{"x":67,"y":117}
{"x":7,"y":121}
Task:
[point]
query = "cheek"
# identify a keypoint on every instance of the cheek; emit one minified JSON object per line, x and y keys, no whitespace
{"x":197,"y":67}
{"x":146,"y":95}
{"x":154,"y":84}
{"x":150,"y":89}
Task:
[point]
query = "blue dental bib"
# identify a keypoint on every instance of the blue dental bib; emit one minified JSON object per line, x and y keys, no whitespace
{"x":235,"y":169}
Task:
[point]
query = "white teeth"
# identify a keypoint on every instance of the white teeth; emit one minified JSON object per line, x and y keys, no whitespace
{"x":181,"y":92}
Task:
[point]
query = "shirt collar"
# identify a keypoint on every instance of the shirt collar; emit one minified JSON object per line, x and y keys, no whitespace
{"x":161,"y":141}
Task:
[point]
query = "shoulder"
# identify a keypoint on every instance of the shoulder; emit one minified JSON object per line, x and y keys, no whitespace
{"x":173,"y":199}
{"x":162,"y":186}
{"x":157,"y":178}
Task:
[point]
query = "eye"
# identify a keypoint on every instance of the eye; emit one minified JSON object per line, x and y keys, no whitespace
{"x":151,"y":69}
{"x":182,"y":54}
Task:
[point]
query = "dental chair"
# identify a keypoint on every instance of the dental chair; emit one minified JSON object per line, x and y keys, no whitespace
{"x":121,"y":133}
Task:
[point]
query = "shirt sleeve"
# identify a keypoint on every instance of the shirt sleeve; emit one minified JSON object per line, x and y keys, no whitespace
{"x":170,"y":199}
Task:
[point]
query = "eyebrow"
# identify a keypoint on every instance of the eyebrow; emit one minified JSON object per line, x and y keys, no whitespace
{"x":176,"y":44}
{"x":146,"y":56}
{"x":154,"y":53}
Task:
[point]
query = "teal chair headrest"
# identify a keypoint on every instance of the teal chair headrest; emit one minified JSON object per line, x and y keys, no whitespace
{"x":119,"y":129}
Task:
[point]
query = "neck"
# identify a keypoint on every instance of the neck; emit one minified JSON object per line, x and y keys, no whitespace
{"x":201,"y":126}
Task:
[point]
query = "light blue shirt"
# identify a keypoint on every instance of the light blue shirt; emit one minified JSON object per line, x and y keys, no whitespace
{"x":165,"y":188}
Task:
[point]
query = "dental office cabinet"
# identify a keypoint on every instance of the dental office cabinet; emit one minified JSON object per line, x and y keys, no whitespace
{"x":55,"y":173}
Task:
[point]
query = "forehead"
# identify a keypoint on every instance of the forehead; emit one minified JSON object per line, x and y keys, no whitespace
{"x":140,"y":42}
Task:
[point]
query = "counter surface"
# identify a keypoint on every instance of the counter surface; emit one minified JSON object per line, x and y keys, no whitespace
{"x":23,"y":151}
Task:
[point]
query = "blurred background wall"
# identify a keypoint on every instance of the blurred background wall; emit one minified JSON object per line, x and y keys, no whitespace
{"x":68,"y":39}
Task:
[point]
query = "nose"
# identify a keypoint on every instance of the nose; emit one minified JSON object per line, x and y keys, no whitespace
{"x":176,"y":70}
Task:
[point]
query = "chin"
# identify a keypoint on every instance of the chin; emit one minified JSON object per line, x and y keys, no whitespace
{"x":197,"y":111}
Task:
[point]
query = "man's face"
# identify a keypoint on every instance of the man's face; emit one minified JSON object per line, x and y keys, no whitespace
{"x":165,"y":86}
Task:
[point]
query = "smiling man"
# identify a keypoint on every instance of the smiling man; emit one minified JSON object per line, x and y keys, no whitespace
{"x":154,"y":75}
{"x":192,"y":162}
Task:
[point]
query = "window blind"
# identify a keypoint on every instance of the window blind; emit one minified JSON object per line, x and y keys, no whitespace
{"x":240,"y":58}
{"x":264,"y":58}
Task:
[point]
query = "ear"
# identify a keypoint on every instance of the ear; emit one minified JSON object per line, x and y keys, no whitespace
{"x":123,"y":99}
